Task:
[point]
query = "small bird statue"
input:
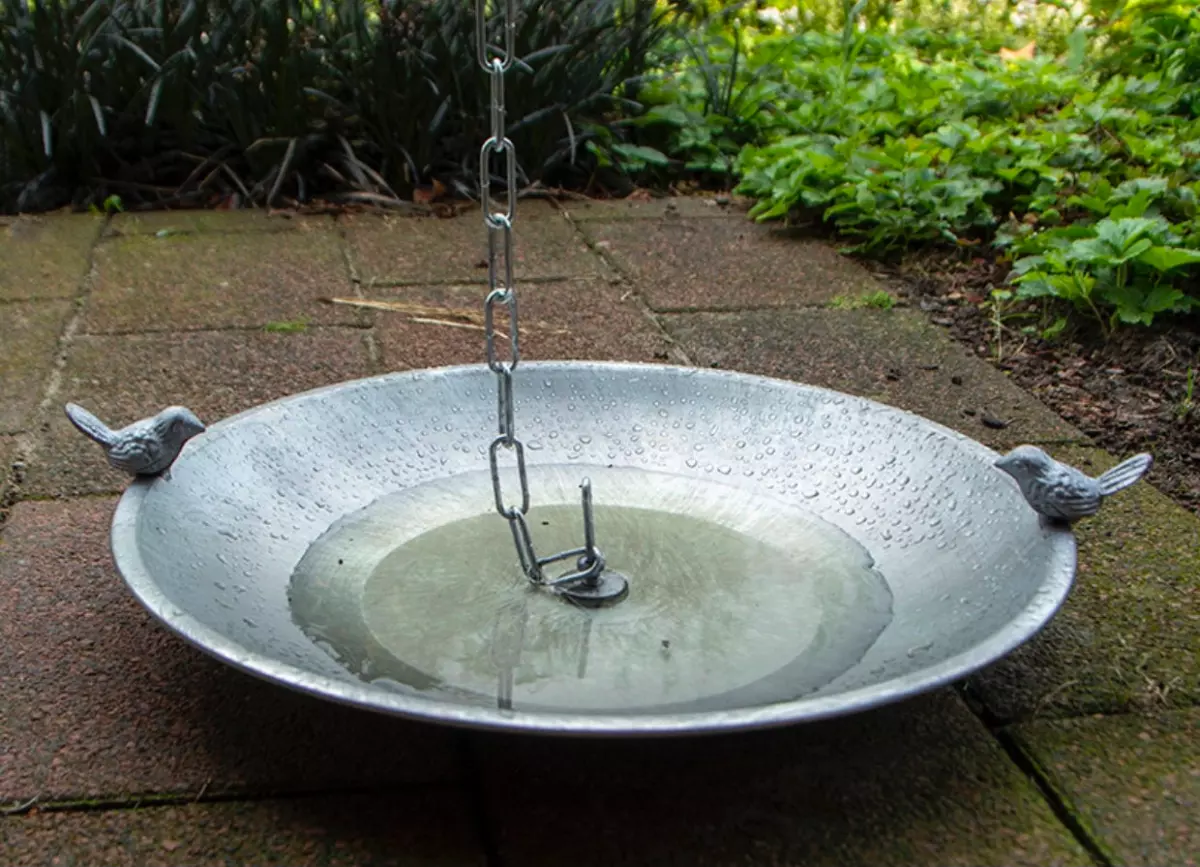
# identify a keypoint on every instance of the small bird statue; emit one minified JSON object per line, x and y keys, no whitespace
{"x":1062,"y":492}
{"x":144,"y":448}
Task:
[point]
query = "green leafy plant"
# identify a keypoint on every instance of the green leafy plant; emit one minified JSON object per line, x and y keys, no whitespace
{"x":1188,"y":402}
{"x":1084,"y":170}
{"x":183,"y":101}
{"x":291,"y":326}
{"x":1116,"y":263}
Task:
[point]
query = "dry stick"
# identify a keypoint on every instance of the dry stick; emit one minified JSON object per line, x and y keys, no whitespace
{"x":428,"y":315}
{"x":19,"y":809}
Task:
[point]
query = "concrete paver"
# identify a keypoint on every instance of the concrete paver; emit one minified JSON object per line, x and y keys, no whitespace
{"x":29,"y":335}
{"x":99,"y":700}
{"x":223,"y":222}
{"x":919,"y":783}
{"x":45,"y":256}
{"x":577,"y":319}
{"x":415,"y":250}
{"x":422,"y":828}
{"x":895,"y":357}
{"x":1128,"y":636}
{"x":124,"y":378}
{"x":196,"y":281}
{"x":721,"y":265}
{"x":1133,"y":781}
{"x":8,"y":452}
{"x":685,"y":207}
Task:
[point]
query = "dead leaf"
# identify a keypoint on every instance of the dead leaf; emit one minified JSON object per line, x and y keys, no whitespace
{"x":1025,"y":52}
{"x":429,"y":195}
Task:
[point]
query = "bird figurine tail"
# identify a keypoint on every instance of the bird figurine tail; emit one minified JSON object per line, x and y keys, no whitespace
{"x":90,"y":426}
{"x":1124,"y":474}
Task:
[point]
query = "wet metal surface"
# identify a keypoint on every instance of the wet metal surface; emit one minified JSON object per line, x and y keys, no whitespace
{"x":212,"y":549}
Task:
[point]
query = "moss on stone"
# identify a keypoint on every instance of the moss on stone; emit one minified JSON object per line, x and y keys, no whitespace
{"x":46,"y":256}
{"x":1128,"y":636}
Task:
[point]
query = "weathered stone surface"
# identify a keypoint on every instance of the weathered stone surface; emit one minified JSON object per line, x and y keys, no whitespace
{"x":1132,"y":781}
{"x":688,"y":207}
{"x":895,"y":357}
{"x":682,"y":264}
{"x":581,"y":320}
{"x":919,"y":783}
{"x":215,"y":374}
{"x":196,"y":281}
{"x":45,"y":256}
{"x":29,"y":335}
{"x":241,"y":220}
{"x":1128,"y":636}
{"x":8,"y":453}
{"x":99,"y":700}
{"x":422,"y":828}
{"x":414,"y":250}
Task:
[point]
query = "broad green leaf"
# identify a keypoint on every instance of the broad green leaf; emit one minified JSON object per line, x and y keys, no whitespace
{"x":641,"y":153}
{"x":1166,"y":258}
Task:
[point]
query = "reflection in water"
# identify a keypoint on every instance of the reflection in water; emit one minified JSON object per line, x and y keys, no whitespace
{"x":734,"y":600}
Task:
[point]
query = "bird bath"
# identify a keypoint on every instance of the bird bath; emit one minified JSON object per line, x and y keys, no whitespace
{"x":755,"y":552}
{"x":792,"y":553}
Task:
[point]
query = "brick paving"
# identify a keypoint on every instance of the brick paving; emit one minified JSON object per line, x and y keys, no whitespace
{"x":120,"y":744}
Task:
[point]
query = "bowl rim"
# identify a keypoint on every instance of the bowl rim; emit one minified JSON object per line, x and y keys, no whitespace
{"x":1059,"y":578}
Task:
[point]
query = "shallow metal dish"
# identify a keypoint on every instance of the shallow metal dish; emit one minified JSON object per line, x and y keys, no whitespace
{"x":210,"y":549}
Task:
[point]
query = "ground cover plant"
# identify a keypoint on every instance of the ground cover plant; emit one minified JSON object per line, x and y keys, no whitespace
{"x":180,"y":102}
{"x":1078,"y":159}
{"x":1025,"y":172}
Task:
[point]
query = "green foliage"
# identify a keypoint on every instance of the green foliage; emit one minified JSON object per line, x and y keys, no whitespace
{"x":1187,"y":403}
{"x":880,"y":299}
{"x":172,"y":100}
{"x":1084,"y":167}
{"x":292,"y":326}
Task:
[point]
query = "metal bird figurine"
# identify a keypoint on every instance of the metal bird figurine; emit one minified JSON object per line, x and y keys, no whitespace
{"x":144,"y":448}
{"x":1062,"y":492}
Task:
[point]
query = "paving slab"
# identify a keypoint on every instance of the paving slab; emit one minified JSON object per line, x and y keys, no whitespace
{"x":681,"y":264}
{"x":578,"y":320}
{"x":1128,"y":636}
{"x":101,"y":701}
{"x":46,"y":256}
{"x":893,"y":356}
{"x":208,"y":222}
{"x":395,"y":250}
{"x":428,"y":828}
{"x":195,"y":281}
{"x":8,"y":453}
{"x":666,"y":208}
{"x":29,"y":335}
{"x":918,"y":783}
{"x":1132,"y":781}
{"x":216,"y":374}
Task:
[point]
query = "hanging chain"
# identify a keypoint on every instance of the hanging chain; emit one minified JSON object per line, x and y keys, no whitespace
{"x":502,"y":294}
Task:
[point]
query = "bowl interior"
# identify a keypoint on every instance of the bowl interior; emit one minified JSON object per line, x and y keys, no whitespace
{"x":213,"y":548}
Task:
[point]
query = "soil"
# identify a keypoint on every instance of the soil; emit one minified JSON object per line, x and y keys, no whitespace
{"x":1129,"y":390}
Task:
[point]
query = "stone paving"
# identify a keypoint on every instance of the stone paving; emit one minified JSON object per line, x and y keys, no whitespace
{"x":120,"y":744}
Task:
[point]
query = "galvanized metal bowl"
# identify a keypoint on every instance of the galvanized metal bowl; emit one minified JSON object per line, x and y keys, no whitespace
{"x":214,"y":549}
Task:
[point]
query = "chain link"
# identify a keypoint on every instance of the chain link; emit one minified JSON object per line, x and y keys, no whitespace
{"x":502,"y":293}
